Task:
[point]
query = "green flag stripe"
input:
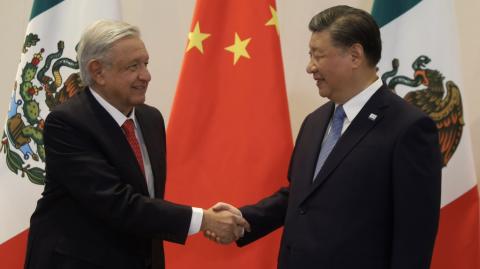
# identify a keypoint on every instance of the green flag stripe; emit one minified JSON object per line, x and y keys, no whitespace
{"x":39,"y":6}
{"x":385,"y":11}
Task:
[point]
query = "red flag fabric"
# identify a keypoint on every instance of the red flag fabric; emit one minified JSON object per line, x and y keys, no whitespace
{"x":229,"y":136}
{"x":457,"y":244}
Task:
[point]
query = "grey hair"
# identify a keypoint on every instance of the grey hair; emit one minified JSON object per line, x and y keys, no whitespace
{"x":97,"y":40}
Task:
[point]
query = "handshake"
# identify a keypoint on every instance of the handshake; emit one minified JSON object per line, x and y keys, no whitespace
{"x":223,"y":223}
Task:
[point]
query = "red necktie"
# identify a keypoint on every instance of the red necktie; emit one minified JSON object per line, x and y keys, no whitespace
{"x":129,"y":128}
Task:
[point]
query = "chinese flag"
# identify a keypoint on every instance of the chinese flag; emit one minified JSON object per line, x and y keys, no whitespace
{"x":229,"y":136}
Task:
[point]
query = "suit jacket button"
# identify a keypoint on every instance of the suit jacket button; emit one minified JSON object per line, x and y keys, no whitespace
{"x":302,"y":211}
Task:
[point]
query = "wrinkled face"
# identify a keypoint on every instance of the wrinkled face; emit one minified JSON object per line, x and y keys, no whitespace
{"x":124,"y":75}
{"x":330,"y":66}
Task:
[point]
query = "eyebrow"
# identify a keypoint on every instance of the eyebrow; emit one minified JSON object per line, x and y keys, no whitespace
{"x":316,"y":50}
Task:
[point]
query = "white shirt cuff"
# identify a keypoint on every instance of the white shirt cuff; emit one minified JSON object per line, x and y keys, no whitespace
{"x":196,"y":222}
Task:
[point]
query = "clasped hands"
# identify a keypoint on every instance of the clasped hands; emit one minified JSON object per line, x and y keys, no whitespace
{"x":223,"y":223}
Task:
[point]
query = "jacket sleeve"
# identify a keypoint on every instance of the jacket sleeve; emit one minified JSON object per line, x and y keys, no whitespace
{"x":265,"y":216}
{"x":269,"y":214}
{"x":416,"y":195}
{"x":75,"y":162}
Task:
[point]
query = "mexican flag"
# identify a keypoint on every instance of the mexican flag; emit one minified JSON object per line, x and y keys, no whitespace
{"x":47,"y":75}
{"x":420,"y":62}
{"x":229,"y":136}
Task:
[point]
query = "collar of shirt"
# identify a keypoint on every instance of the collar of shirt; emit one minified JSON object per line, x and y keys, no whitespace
{"x":197,"y":213}
{"x":353,"y":106}
{"x":120,"y":119}
{"x":118,"y":116}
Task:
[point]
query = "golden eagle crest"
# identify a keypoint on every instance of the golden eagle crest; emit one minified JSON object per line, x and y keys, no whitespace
{"x":444,"y":107}
{"x":38,"y":88}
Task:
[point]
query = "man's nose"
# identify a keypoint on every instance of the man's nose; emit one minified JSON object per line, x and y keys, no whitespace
{"x":311,"y":67}
{"x":145,"y":74}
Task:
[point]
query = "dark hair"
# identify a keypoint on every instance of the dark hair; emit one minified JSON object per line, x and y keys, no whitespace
{"x":347,"y":26}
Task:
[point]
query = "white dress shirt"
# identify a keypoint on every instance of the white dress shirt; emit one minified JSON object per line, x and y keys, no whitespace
{"x":120,"y":118}
{"x":353,"y":106}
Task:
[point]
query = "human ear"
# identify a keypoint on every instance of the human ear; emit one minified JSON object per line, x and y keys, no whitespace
{"x":95,"y":70}
{"x":357,"y":54}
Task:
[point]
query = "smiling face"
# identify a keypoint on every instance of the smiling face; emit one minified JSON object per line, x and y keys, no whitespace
{"x":331,"y":67}
{"x":122,"y":77}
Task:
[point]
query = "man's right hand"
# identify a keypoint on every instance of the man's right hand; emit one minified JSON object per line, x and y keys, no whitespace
{"x":223,"y":226}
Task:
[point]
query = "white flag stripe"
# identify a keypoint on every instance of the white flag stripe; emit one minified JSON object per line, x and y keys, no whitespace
{"x":65,"y":21}
{"x":420,"y":36}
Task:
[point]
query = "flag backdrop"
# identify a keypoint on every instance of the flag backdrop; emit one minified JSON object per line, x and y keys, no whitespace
{"x":420,"y":61}
{"x":47,"y":75}
{"x":229,"y":136}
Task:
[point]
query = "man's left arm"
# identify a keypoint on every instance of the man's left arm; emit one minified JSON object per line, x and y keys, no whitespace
{"x":416,"y":179}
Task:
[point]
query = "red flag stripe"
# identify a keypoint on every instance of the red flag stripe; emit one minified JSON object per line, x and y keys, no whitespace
{"x":12,"y":252}
{"x":457,"y":244}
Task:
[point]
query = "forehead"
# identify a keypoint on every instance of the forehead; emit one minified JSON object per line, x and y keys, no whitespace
{"x":320,"y":40}
{"x":129,"y":48}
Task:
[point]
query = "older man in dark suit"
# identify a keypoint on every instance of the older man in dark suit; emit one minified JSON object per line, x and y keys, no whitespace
{"x":105,"y":168}
{"x":365,"y":174}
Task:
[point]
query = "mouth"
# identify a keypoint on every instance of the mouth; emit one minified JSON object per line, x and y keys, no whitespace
{"x":319,"y":80}
{"x":140,"y":88}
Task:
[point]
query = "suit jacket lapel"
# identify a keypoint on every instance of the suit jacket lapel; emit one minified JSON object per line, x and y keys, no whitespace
{"x":354,"y":134}
{"x":112,"y":136}
{"x":152,"y":137}
{"x":314,"y":137}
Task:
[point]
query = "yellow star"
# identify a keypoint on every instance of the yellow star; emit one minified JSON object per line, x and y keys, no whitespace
{"x":196,"y":38}
{"x":274,"y":20}
{"x":239,"y":48}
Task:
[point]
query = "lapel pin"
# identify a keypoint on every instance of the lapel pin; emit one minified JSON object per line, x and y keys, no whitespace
{"x":372,"y":116}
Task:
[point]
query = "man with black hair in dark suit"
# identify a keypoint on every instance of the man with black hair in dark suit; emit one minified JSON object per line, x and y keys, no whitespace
{"x":365,"y":174}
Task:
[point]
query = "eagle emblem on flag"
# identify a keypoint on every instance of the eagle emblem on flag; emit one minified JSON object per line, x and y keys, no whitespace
{"x":443,"y":103}
{"x":38,"y":89}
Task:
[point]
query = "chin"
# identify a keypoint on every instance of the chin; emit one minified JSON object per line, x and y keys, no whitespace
{"x":323,"y":93}
{"x":138,"y":101}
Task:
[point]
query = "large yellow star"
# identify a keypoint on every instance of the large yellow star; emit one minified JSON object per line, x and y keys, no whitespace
{"x":239,"y":48}
{"x":196,"y":38}
{"x":274,"y":20}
